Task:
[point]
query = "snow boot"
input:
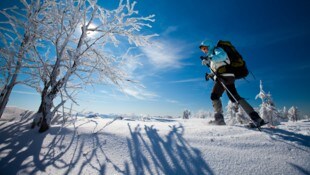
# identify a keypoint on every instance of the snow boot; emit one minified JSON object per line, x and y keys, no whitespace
{"x":219,"y":120}
{"x":257,"y":121}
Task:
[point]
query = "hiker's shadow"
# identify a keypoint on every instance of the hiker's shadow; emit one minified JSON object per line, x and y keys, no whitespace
{"x":301,"y":141}
{"x":152,"y":153}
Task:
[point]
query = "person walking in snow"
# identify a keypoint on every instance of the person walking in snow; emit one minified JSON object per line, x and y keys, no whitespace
{"x":217,"y":59}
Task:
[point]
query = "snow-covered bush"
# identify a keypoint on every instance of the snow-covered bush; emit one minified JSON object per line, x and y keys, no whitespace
{"x":186,"y":114}
{"x":235,"y":115}
{"x":284,"y":114}
{"x":293,"y":114}
{"x":203,"y":114}
{"x":270,"y":114}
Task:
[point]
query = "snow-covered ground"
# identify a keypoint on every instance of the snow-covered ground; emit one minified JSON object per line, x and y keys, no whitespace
{"x":160,"y":146}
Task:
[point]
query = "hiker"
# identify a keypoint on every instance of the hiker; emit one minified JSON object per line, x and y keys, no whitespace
{"x":219,"y":63}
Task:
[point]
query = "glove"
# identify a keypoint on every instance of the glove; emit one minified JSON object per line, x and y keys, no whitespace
{"x":205,"y":62}
{"x":210,"y":76}
{"x":204,"y":58}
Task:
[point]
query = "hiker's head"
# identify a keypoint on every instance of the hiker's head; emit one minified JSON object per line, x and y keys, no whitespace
{"x":206,"y":46}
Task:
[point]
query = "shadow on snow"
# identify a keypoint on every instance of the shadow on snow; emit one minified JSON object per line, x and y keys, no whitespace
{"x":169,"y":155}
{"x":23,"y":151}
{"x":289,"y":137}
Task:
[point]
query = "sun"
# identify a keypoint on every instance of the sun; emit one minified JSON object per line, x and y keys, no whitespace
{"x":91,"y":33}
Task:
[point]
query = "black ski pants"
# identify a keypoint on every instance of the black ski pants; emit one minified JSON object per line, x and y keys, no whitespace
{"x":218,"y":89}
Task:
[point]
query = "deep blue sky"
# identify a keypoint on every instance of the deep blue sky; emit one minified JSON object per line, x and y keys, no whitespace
{"x":272,"y":35}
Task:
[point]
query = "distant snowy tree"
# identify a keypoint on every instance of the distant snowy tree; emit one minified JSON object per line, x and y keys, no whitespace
{"x":18,"y":35}
{"x":235,"y":115}
{"x":266,"y":98}
{"x":269,"y":113}
{"x":284,"y":113}
{"x":84,"y":37}
{"x":203,"y":114}
{"x":186,"y":114}
{"x":267,"y":109}
{"x":293,"y":114}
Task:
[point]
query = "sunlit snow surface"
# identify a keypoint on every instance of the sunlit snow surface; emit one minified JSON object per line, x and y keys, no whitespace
{"x":150,"y":146}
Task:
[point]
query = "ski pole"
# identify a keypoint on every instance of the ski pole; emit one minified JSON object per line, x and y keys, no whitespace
{"x":225,"y":87}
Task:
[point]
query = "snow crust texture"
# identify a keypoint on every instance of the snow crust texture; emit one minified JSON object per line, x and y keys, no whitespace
{"x":158,"y":146}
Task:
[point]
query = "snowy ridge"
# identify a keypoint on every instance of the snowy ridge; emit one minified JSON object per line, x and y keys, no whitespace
{"x":126,"y":116}
{"x":175,"y":146}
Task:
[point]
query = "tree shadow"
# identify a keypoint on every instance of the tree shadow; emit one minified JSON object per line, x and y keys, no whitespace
{"x":25,"y":151}
{"x":22,"y":148}
{"x":155,"y":154}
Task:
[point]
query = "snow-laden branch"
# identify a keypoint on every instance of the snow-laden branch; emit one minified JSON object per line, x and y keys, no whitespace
{"x":78,"y":48}
{"x":20,"y":31}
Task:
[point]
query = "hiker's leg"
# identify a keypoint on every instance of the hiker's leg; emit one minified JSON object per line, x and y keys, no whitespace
{"x":216,"y":95}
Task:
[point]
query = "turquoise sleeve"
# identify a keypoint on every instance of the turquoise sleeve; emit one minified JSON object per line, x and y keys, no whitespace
{"x":219,"y":55}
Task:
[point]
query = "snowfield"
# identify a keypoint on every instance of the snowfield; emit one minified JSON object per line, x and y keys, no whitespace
{"x":155,"y":146}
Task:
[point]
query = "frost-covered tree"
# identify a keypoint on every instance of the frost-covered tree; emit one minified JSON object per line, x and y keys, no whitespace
{"x":80,"y":49}
{"x":203,"y":114}
{"x":265,"y":97}
{"x":19,"y":32}
{"x":293,"y":114}
{"x":267,"y":109}
{"x":284,"y":113}
{"x":269,"y":113}
{"x":235,"y":114}
{"x":186,"y":114}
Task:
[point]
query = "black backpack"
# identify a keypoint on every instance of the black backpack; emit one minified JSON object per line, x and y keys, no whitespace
{"x":237,"y":64}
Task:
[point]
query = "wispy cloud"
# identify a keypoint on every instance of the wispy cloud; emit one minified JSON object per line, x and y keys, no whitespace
{"x":172,"y":101}
{"x":131,"y":61}
{"x":169,"y":30}
{"x":140,"y":94}
{"x":187,"y":80}
{"x":166,"y":52}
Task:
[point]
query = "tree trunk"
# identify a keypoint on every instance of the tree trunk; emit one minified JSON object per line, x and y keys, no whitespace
{"x":45,"y":115}
{"x":38,"y":117}
{"x":6,"y":92}
{"x":5,"y":98}
{"x":12,"y":83}
{"x":47,"y":104}
{"x":43,"y":126}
